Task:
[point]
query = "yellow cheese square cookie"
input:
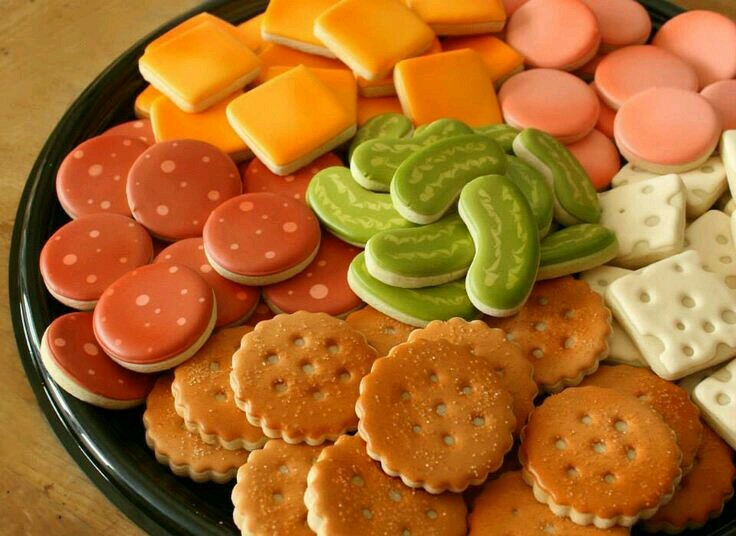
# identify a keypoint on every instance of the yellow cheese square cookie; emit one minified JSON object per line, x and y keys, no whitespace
{"x":291,"y":120}
{"x":144,"y":100}
{"x":199,"y":67}
{"x":340,"y":81}
{"x":461,"y":17}
{"x":501,"y":58}
{"x":273,"y":55}
{"x":291,"y":23}
{"x":250,"y":31}
{"x":371,"y":36}
{"x":195,"y":21}
{"x":211,"y":126}
{"x":451,"y":84}
{"x":371,"y":107}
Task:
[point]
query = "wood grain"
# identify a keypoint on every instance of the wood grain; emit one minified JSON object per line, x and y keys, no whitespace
{"x":49,"y":52}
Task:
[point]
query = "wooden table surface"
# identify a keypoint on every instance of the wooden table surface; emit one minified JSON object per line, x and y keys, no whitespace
{"x":49,"y":52}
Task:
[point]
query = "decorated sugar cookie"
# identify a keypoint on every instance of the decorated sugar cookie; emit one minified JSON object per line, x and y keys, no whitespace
{"x":575,"y":249}
{"x":291,"y":23}
{"x":196,"y":20}
{"x":250,"y":32}
{"x":373,"y":106}
{"x":715,"y":396}
{"x":622,"y":23}
{"x":262,"y":312}
{"x":382,"y":332}
{"x":500,"y":58}
{"x":535,"y":189}
{"x":722,"y":95}
{"x":388,"y":125}
{"x":710,"y":236}
{"x":340,"y":81}
{"x":463,"y":17}
{"x":506,"y":245}
{"x":606,"y":118}
{"x":501,"y":133}
{"x":273,"y":55}
{"x":139,"y":129}
{"x":144,"y":101}
{"x":598,"y":156}
{"x":75,"y":361}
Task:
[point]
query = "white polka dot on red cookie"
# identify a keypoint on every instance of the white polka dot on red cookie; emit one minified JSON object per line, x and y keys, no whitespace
{"x":59,"y":341}
{"x":319,"y":291}
{"x":289,"y":227}
{"x":90,"y":349}
{"x":168,"y":166}
{"x":95,"y":170}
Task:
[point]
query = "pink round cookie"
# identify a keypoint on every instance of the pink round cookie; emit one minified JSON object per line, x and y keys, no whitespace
{"x":91,"y":179}
{"x":235,"y":303}
{"x":606,"y":117}
{"x":722,"y":95}
{"x":140,"y":129}
{"x":86,"y":255}
{"x":559,"y":34}
{"x":554,"y":101}
{"x":667,"y":130}
{"x":78,"y":365}
{"x":323,"y":285}
{"x":155,"y":317}
{"x":261,"y":238}
{"x":174,"y":185}
{"x":598,"y":156}
{"x":704,"y":39}
{"x":621,"y":22}
{"x":630,"y":70}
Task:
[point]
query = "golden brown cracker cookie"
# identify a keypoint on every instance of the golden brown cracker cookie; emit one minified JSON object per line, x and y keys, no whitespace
{"x":204,"y":399}
{"x":562,"y":329}
{"x":185,"y":453}
{"x":436,"y":415}
{"x":381,"y":331}
{"x":515,"y":373}
{"x":600,"y":456}
{"x":347,"y":493}
{"x":297,"y":376}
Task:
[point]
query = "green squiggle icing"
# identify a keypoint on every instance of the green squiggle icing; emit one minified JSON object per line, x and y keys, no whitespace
{"x":575,"y":249}
{"x":536,"y":190}
{"x":500,"y":133}
{"x":388,"y":125}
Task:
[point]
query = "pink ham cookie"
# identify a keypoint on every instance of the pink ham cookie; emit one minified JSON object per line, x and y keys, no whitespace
{"x":621,"y":22}
{"x":258,"y":178}
{"x":139,"y":129}
{"x":667,"y":130}
{"x":704,"y":39}
{"x":78,"y":365}
{"x":155,"y":317}
{"x":86,"y":255}
{"x":606,"y":117}
{"x":323,"y":285}
{"x":598,"y":156}
{"x":91,"y":179}
{"x":174,"y":185}
{"x":235,"y":303}
{"x":722,"y":95}
{"x":558,"y":34}
{"x":550,"y":100}
{"x":630,"y":70}
{"x":261,"y":239}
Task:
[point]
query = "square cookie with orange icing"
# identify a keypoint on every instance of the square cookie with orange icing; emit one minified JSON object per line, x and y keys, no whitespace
{"x":291,"y":23}
{"x":461,"y":17}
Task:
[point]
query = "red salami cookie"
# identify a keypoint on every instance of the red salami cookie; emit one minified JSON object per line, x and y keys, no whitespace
{"x":258,"y":178}
{"x":78,"y":365}
{"x":323,"y":285}
{"x":91,"y":178}
{"x":174,"y":185}
{"x":261,"y":239}
{"x":235,"y":303}
{"x":262,"y":312}
{"x":81,"y":259}
{"x":155,"y":317}
{"x":140,"y":129}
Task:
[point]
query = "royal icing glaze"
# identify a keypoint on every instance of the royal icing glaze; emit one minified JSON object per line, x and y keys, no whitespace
{"x":291,"y":23}
{"x":722,"y":96}
{"x":388,"y":125}
{"x":606,"y":118}
{"x":140,"y":129}
{"x":144,"y":100}
{"x":598,"y":156}
{"x":371,"y":107}
{"x":273,"y":55}
{"x":462,"y":16}
{"x":250,"y":32}
{"x":575,"y":249}
{"x":500,"y":58}
{"x":621,"y":22}
{"x":716,"y":397}
{"x":196,"y":20}
{"x":500,"y":133}
{"x":536,"y":190}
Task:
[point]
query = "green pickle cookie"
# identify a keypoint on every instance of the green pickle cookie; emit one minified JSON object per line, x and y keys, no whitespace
{"x":421,"y":256}
{"x":416,"y":307}
{"x":388,"y":125}
{"x":506,"y":240}
{"x":374,"y":162}
{"x":536,"y":190}
{"x":501,"y":133}
{"x":576,"y":200}
{"x":427,"y":184}
{"x":349,"y":211}
{"x":575,"y":249}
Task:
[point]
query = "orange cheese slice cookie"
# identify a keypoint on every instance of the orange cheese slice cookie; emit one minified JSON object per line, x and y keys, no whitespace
{"x":273,"y":55}
{"x":562,"y":330}
{"x":347,"y":493}
{"x":307,"y":120}
{"x":461,"y":17}
{"x":452,"y":84}
{"x":340,"y":81}
{"x":501,"y":59}
{"x":381,"y":331}
{"x":436,"y":415}
{"x":251,"y":33}
{"x":204,"y":399}
{"x":297,"y":376}
{"x":291,"y":23}
{"x":515,"y":373}
{"x":371,"y":107}
{"x":185,"y":453}
{"x":188,"y":67}
{"x":144,"y":101}
{"x":196,"y":21}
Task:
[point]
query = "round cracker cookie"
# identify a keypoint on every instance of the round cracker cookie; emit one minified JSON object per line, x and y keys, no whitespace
{"x":703,"y":491}
{"x":140,"y":129}
{"x":666,"y":398}
{"x":235,"y":303}
{"x":269,"y":495}
{"x":297,"y":376}
{"x":347,"y":493}
{"x":83,"y":257}
{"x":184,"y":452}
{"x":173,"y":187}
{"x":261,"y":239}
{"x":436,"y":415}
{"x":323,"y":285}
{"x":562,"y":330}
{"x":92,"y":177}
{"x":78,"y":365}
{"x":507,"y":507}
{"x":155,"y":317}
{"x":381,"y":331}
{"x":204,"y":399}
{"x":515,"y":373}
{"x":599,"y":456}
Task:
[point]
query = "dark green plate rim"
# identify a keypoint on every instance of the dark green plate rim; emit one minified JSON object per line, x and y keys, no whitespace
{"x":109,"y":447}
